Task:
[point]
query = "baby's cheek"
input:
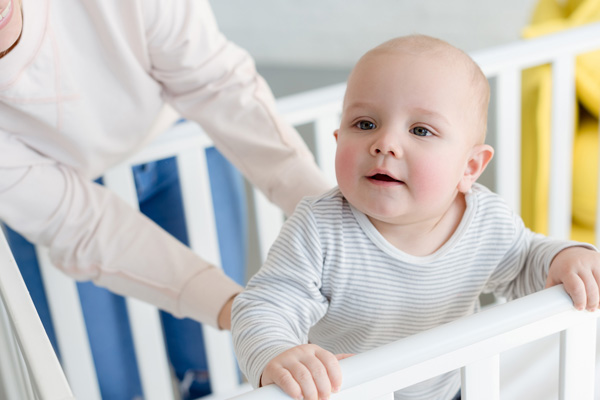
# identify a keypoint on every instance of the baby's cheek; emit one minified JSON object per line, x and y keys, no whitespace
{"x":432,"y":178}
{"x":344,"y":164}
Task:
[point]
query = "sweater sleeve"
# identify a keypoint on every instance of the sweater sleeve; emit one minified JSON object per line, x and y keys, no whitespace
{"x":283,"y":300}
{"x":213,"y":82}
{"x":94,"y":235}
{"x":524,"y":267}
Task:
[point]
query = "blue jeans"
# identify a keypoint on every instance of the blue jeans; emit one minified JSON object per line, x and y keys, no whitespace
{"x":105,"y":313}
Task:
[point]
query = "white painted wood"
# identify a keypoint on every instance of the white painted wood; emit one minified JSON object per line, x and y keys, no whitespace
{"x":542,"y":50}
{"x":464,"y":343}
{"x":269,"y":219}
{"x":508,"y":132}
{"x":578,"y":361}
{"x":43,"y":369}
{"x":202,"y":232}
{"x":481,"y":379}
{"x":69,"y":326}
{"x":326,"y":144}
{"x":236,"y":391}
{"x":389,"y":396}
{"x":561,"y":151}
{"x":307,"y":107}
{"x":14,"y":380}
{"x":451,"y":346}
{"x":144,"y":319}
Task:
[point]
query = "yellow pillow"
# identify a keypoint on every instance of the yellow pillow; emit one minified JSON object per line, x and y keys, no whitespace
{"x":535,"y":144}
{"x":582,"y":234}
{"x":585,"y":173}
{"x":552,"y":16}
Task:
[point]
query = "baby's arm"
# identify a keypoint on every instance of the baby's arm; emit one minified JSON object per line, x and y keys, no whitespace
{"x":578,"y":268}
{"x":282,"y":301}
{"x":306,"y":371}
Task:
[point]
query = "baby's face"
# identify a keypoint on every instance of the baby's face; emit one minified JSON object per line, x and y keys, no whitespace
{"x":406,"y":134}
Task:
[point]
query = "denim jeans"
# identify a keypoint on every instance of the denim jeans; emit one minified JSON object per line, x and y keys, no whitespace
{"x":105,"y":313}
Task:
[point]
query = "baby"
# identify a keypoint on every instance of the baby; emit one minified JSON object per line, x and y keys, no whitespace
{"x":408,"y":241}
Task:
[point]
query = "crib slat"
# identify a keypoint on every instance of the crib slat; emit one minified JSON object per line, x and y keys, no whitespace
{"x":14,"y":381}
{"x":69,"y":325}
{"x":198,"y":206}
{"x":563,"y":120}
{"x":146,"y":326}
{"x":578,"y":361}
{"x":26,"y":350}
{"x":508,"y":132}
{"x":480,"y":379}
{"x":269,"y":220}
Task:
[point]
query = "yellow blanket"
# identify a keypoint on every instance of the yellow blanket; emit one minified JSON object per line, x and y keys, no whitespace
{"x":553,"y":16}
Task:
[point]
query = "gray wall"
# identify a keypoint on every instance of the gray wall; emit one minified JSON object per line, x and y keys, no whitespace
{"x":334,"y":33}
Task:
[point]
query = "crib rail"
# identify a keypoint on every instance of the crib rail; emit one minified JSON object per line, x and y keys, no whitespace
{"x":505,"y":63}
{"x":187,"y":143}
{"x":473,"y":344}
{"x":26,"y":353}
{"x":471,"y":353}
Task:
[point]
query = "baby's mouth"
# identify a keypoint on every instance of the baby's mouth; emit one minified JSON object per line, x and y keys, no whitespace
{"x":4,"y":12}
{"x":384,"y":178}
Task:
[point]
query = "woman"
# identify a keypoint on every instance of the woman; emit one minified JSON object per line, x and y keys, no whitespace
{"x":81,"y":86}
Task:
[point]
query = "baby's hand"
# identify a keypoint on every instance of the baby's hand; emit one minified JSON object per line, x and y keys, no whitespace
{"x":578,"y":268}
{"x":306,"y":371}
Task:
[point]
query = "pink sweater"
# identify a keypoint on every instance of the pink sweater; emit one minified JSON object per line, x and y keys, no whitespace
{"x":82,"y":91}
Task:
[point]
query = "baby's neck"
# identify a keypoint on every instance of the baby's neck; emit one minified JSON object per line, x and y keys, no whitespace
{"x":426,"y":237}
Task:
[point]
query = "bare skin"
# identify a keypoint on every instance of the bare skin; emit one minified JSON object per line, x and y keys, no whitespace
{"x":224,"y":319}
{"x":11,"y":25}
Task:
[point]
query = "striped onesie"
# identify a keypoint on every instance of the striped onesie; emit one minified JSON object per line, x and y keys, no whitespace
{"x":331,"y":279}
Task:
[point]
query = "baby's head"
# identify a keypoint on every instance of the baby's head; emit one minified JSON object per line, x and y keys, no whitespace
{"x":413,"y":126}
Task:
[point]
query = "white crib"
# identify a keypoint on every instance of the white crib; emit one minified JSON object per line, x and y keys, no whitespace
{"x":480,"y":344}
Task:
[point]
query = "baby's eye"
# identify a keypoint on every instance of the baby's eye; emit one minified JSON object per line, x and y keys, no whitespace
{"x":420,"y":131}
{"x":365,"y":125}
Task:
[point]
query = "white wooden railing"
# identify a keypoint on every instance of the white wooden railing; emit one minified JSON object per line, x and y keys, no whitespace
{"x":28,"y":363}
{"x":472,"y":342}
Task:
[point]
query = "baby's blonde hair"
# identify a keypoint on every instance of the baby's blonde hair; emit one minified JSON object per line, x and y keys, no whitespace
{"x":419,"y":44}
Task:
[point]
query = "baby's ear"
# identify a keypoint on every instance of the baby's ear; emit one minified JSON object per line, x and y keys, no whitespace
{"x":481,"y":154}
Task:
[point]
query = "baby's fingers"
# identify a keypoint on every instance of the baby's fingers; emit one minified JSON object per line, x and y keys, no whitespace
{"x":591,"y":288}
{"x":343,"y":356}
{"x":576,"y":288}
{"x":320,"y":378}
{"x":332,"y":366}
{"x":283,"y":378}
{"x":309,"y":378}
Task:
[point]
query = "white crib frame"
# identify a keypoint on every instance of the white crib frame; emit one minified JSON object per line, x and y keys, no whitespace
{"x":28,"y":363}
{"x":473,"y":344}
{"x":472,"y":348}
{"x":477,"y":341}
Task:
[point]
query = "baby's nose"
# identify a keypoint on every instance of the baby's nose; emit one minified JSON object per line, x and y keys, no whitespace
{"x":386,"y":144}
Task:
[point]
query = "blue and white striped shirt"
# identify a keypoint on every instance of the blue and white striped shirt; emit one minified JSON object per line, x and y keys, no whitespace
{"x":333,"y":280}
